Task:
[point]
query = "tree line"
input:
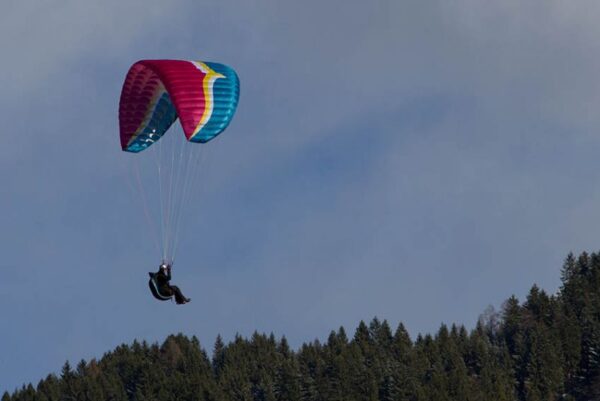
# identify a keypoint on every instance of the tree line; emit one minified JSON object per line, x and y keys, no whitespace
{"x":542,"y":349}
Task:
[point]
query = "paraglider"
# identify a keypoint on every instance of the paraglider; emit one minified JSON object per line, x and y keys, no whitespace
{"x":160,"y":287}
{"x":204,"y":96}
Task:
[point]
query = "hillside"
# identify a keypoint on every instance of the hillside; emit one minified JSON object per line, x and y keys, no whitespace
{"x":544,"y":348}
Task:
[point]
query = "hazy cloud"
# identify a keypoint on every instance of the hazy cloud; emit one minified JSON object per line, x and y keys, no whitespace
{"x":411,"y":160}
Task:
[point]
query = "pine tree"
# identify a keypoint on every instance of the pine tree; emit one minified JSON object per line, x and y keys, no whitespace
{"x":311,"y":368}
{"x":334,"y":369}
{"x":218,"y":360}
{"x":543,"y":368}
{"x":287,"y":383}
{"x":405,"y":374}
{"x":362,"y":362}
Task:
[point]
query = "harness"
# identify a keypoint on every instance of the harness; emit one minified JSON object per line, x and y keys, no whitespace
{"x":154,"y":289}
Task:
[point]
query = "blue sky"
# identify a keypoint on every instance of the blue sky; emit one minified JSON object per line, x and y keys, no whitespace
{"x":415,"y":161}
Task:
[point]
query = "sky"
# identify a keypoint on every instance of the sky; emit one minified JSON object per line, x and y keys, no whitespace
{"x":411,"y":160}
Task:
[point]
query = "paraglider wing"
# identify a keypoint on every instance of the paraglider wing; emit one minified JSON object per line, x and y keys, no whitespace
{"x":203,"y":95}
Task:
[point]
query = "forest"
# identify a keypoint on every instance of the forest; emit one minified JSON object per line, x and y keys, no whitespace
{"x":545,"y":347}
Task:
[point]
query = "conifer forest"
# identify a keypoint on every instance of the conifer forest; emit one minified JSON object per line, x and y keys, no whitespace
{"x":543,"y":348}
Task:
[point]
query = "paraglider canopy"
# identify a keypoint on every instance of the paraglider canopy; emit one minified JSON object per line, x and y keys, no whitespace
{"x":203,"y":95}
